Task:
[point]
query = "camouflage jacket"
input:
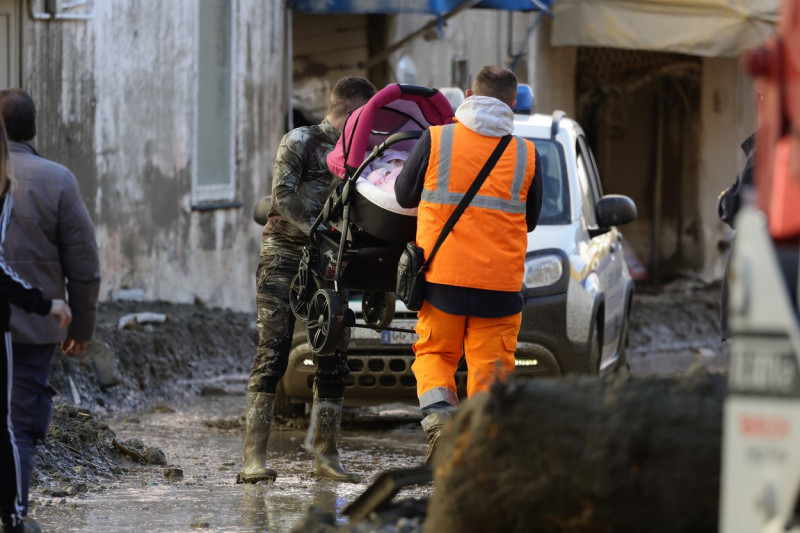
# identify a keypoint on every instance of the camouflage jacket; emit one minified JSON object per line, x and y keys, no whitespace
{"x":301,"y":183}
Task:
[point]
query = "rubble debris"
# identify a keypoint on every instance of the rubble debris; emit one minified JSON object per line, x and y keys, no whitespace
{"x":173,"y":473}
{"x":128,"y":451}
{"x":582,"y":454}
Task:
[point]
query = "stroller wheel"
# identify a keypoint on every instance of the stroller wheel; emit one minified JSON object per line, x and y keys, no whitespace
{"x":325,"y":321}
{"x":378,"y":308}
{"x":300,"y":292}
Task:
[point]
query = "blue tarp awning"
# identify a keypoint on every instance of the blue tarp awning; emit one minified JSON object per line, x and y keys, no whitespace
{"x":436,"y":7}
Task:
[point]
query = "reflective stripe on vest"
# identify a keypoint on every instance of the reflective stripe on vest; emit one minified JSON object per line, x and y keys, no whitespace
{"x":442,"y":196}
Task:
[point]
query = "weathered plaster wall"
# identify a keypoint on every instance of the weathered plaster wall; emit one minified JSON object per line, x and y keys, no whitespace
{"x":117,"y":103}
{"x":552,"y":71}
{"x":480,"y":35}
{"x":728,"y":117}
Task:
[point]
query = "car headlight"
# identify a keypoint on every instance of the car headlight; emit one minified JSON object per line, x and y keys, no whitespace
{"x":542,"y":271}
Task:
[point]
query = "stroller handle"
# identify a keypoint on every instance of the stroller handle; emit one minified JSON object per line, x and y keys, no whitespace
{"x":427,"y":92}
{"x":392,"y":139}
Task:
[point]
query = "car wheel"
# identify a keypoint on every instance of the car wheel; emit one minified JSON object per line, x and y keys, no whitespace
{"x":285,"y":408}
{"x":595,"y":350}
{"x":623,"y":367}
{"x":622,"y":357}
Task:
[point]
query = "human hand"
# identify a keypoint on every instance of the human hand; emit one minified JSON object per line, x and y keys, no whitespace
{"x":62,"y":312}
{"x":72,"y":348}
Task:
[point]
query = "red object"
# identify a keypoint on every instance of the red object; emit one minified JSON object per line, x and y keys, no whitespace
{"x":776,"y":67}
{"x":393,"y":109}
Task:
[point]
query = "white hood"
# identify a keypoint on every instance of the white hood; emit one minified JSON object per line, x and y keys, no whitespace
{"x":486,"y":116}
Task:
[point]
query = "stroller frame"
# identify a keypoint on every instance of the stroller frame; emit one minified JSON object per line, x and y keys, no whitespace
{"x":319,"y":291}
{"x":346,"y":258}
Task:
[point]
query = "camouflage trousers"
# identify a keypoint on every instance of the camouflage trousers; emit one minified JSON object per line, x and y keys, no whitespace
{"x":276,"y":268}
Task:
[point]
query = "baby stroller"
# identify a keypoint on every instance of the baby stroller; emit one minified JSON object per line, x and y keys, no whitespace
{"x":357,"y":239}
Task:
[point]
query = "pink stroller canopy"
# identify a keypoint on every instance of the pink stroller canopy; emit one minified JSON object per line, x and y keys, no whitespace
{"x":393,"y":109}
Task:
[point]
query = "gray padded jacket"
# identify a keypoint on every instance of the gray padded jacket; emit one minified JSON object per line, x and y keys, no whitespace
{"x":51,"y":244}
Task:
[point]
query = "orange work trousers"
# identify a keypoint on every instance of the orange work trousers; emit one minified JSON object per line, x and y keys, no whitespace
{"x":487,"y":343}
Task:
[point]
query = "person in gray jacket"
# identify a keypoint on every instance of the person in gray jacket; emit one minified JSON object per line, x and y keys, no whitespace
{"x":50,"y":243}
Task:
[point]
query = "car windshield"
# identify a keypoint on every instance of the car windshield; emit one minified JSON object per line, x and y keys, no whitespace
{"x":555,"y":205}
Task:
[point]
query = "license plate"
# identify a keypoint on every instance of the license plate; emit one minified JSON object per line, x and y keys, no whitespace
{"x":398,"y":337}
{"x":388,"y":337}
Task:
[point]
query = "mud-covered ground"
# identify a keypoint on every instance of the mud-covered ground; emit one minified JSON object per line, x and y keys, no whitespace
{"x":188,"y":350}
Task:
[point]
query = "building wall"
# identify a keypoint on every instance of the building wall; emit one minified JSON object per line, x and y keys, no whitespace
{"x":552,"y":72}
{"x":481,"y":36}
{"x":117,"y":104}
{"x":324,"y":49}
{"x":725,"y":119}
{"x":728,"y":117}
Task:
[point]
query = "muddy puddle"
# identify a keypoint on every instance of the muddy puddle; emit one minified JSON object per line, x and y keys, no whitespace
{"x":206,"y":497}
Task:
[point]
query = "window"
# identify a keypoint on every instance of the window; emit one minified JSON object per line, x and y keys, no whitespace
{"x":214,"y":169}
{"x":556,"y":203}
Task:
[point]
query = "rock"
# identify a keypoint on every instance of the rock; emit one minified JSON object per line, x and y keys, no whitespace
{"x":154,"y":456}
{"x":162,"y":408}
{"x":173,"y":473}
{"x":74,"y":489}
{"x":213,"y":390}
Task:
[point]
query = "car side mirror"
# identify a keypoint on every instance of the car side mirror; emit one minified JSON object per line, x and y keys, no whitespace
{"x":261,"y":210}
{"x":615,"y":210}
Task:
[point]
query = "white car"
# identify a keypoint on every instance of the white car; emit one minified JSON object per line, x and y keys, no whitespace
{"x":577,"y":287}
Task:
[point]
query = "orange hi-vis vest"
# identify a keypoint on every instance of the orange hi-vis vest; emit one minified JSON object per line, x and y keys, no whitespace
{"x":486,"y":247}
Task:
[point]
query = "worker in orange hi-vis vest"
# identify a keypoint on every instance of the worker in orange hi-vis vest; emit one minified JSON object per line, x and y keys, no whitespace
{"x":473,"y":303}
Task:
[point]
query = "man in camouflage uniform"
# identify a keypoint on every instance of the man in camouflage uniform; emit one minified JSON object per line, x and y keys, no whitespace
{"x":300,"y":185}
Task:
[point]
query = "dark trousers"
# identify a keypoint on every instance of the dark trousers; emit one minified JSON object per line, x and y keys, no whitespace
{"x":276,"y":268}
{"x":10,"y":480}
{"x":31,"y":404}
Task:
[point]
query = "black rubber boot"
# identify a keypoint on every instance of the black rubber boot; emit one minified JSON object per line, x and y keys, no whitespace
{"x":259,"y":419}
{"x":27,"y":525}
{"x":327,"y":415}
{"x":433,"y":425}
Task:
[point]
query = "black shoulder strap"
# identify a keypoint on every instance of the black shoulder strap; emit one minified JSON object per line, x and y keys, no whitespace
{"x":468,"y":196}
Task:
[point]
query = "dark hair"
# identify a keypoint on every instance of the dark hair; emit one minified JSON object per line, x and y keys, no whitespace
{"x":348,"y":94}
{"x":19,"y":114}
{"x":498,"y":82}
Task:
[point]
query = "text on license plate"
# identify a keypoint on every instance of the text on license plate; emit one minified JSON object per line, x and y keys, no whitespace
{"x":398,"y":337}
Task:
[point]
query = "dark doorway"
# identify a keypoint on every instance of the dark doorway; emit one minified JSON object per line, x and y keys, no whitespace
{"x":641,"y":112}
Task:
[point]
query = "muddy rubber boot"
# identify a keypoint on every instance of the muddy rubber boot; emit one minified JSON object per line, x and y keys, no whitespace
{"x":433,"y":424}
{"x":327,"y":420}
{"x":259,"y":418}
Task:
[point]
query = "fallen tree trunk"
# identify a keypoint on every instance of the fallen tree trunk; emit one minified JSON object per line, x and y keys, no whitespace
{"x":583,"y":454}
